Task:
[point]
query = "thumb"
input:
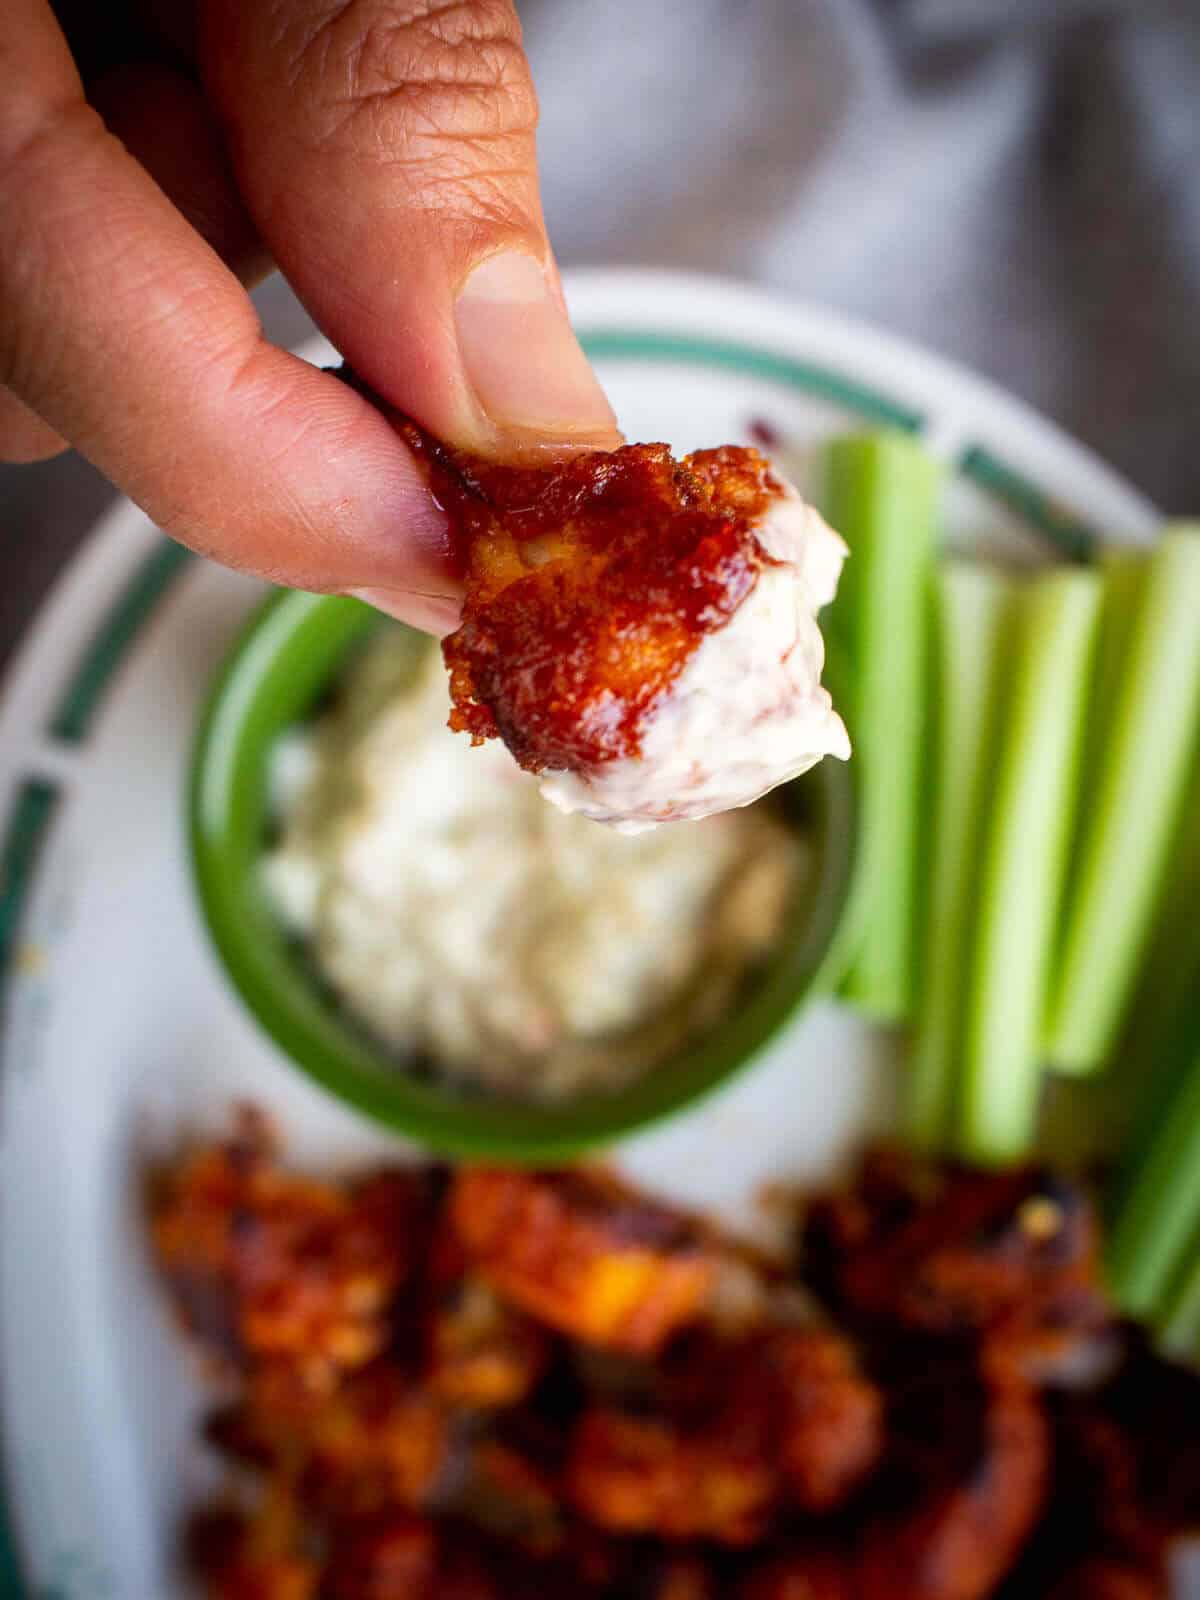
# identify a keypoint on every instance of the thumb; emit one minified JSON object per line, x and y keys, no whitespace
{"x":387,"y":154}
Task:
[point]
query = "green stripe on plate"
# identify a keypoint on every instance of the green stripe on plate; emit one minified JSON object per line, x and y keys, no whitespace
{"x":18,"y":857}
{"x":120,"y":627}
{"x":22,"y":843}
{"x":1069,"y":534}
{"x":616,"y":345}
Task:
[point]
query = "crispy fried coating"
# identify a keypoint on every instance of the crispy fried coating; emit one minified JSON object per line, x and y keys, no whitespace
{"x":555,"y":1409}
{"x":255,"y":1557}
{"x":829,"y":1418}
{"x":266,"y":1578}
{"x":1126,"y":1484}
{"x":970,"y":1468}
{"x":584,"y":1255}
{"x":1151,"y":1405}
{"x":271,"y":1266}
{"x":514,"y":1496}
{"x":482,"y":1354}
{"x":402,"y":1558}
{"x":391,"y":1557}
{"x":782,"y":1416}
{"x":378,"y":1440}
{"x":680,"y":1578}
{"x":589,"y":585}
{"x":948,"y":1250}
{"x":1100,"y":1579}
{"x":793,"y":1396}
{"x":802,"y":1575}
{"x":641,"y":1475}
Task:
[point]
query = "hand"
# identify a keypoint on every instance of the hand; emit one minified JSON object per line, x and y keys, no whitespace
{"x":382,"y":153}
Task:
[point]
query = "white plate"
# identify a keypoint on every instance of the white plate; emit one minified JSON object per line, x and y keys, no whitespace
{"x":119,"y":1030}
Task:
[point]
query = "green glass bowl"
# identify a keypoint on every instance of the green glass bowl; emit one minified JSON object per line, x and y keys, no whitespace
{"x":277,"y":675}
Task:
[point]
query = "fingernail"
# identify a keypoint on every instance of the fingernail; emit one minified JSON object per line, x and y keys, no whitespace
{"x":431,"y":613}
{"x":521,"y":354}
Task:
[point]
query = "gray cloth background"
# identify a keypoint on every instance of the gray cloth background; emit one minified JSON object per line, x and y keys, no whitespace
{"x":1015,"y":183}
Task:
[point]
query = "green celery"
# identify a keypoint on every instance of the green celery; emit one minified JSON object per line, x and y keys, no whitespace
{"x":1123,"y":569}
{"x":1139,"y":782}
{"x":1023,"y":860}
{"x":881,"y":495}
{"x":970,"y":605}
{"x":1163,"y":1024}
{"x":1123,"y":572}
{"x":1149,"y":1244}
{"x":1178,"y":1324}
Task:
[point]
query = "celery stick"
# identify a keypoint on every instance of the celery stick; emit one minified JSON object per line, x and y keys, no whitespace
{"x":1123,"y":570}
{"x":1123,"y":852}
{"x":1161,"y":1214}
{"x":881,"y":496}
{"x":1179,"y":1323}
{"x":1164,"y":1020}
{"x":969,"y":610}
{"x":1024,"y":852}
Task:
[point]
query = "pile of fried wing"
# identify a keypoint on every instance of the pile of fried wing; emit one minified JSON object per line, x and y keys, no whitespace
{"x":491,"y":1384}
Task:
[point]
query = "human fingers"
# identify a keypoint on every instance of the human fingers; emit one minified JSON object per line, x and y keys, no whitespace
{"x":387,"y":154}
{"x":122,"y":329}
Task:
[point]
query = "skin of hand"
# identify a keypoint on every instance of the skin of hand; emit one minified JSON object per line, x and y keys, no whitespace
{"x":157,"y":158}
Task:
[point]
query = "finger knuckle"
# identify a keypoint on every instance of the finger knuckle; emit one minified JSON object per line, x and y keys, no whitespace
{"x":401,"y":78}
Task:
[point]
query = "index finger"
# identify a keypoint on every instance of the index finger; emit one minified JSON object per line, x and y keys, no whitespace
{"x":124,"y":331}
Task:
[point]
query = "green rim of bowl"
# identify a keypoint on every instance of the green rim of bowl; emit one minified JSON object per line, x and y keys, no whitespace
{"x":277,"y":674}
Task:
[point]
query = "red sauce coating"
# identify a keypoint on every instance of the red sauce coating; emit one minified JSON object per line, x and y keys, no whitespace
{"x":638,"y":1447}
{"x":589,"y":585}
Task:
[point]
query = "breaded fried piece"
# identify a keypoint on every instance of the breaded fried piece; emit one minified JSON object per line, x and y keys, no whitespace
{"x":1100,"y":1579}
{"x":271,"y":1266}
{"x":1153,"y":1405}
{"x":793,"y":1396}
{"x":589,"y":584}
{"x":558,"y":1411}
{"x":829,"y":1418}
{"x":254,"y":1557}
{"x":391,"y":1557}
{"x":679,"y":1578}
{"x":1126,"y":1484}
{"x":378,"y":1440}
{"x":970,"y":1467}
{"x":598,"y":589}
{"x":514,"y":1496}
{"x":746,"y":1426}
{"x":584,"y":1255}
{"x":947,"y":1250}
{"x":403,"y":1558}
{"x":481,"y":1353}
{"x":266,"y":1578}
{"x":805,"y":1575}
{"x":641,"y":1475}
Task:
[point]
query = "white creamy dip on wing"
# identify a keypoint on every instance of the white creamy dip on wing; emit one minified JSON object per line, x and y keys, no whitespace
{"x":465,"y":922}
{"x":748,"y":711}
